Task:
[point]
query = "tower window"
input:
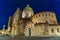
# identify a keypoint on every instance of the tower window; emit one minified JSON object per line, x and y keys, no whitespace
{"x":57,"y":30}
{"x":52,"y":30}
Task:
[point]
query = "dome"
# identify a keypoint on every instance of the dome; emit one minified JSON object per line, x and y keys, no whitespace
{"x":28,"y":8}
{"x":27,"y":12}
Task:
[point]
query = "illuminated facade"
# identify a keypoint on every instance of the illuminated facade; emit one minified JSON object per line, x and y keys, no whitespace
{"x":26,"y":23}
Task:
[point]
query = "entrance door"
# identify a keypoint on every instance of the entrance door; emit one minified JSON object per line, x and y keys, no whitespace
{"x":29,"y":31}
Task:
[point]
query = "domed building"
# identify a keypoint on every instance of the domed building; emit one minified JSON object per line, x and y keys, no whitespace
{"x":43,"y":24}
{"x":27,"y":12}
{"x":26,"y":23}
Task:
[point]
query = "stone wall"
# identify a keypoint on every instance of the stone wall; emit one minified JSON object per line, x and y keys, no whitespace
{"x":42,"y":29}
{"x":42,"y":17}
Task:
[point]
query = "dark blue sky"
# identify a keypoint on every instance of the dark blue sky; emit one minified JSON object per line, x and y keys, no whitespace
{"x":8,"y":7}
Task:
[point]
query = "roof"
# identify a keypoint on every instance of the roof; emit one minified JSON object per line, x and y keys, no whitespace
{"x":28,"y":8}
{"x":43,"y":13}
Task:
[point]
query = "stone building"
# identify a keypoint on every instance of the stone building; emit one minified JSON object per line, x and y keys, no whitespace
{"x":28,"y":23}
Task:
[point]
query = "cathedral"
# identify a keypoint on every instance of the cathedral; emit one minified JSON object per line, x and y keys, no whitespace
{"x":28,"y":23}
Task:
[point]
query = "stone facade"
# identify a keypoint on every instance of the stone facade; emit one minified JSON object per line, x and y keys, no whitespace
{"x":26,"y":23}
{"x":43,"y":17}
{"x":43,"y":30}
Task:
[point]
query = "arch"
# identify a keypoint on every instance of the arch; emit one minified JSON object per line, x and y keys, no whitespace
{"x":52,"y":30}
{"x":46,"y":21}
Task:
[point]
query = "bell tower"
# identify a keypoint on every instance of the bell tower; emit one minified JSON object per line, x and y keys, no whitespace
{"x":15,"y":24}
{"x":27,"y":12}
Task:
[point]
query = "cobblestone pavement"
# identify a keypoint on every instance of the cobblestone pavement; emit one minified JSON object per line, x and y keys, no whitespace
{"x":29,"y":38}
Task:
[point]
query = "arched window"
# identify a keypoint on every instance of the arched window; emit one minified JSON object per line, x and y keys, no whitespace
{"x":57,"y":30}
{"x":52,"y":15}
{"x":52,"y":30}
{"x":46,"y":14}
{"x":39,"y":15}
{"x":46,"y":22}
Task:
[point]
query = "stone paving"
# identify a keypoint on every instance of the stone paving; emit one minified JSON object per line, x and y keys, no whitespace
{"x":29,"y":38}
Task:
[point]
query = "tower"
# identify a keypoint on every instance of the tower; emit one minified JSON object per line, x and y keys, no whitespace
{"x":27,"y":12}
{"x":9,"y":24}
{"x":15,"y":24}
{"x":16,"y":16}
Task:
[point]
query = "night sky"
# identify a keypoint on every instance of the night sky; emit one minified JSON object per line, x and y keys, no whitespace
{"x":8,"y":7}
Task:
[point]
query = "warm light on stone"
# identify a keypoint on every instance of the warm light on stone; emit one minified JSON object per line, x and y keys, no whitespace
{"x":26,"y":23}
